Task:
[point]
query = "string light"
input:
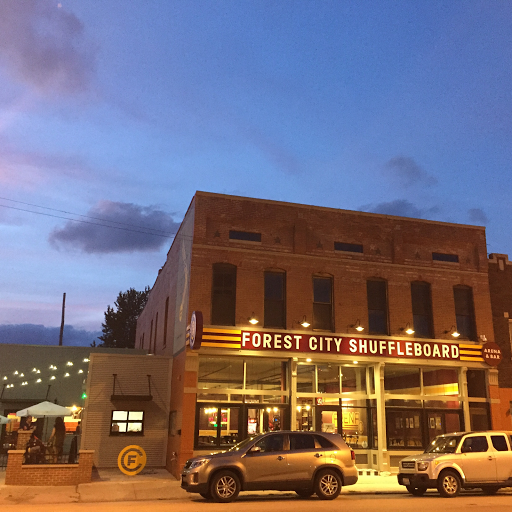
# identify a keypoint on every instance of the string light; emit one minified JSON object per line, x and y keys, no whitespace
{"x":38,"y":380}
{"x":80,"y":371}
{"x":66,"y":375}
{"x":69,"y":363}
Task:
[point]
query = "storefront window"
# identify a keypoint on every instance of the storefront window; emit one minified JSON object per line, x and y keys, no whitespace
{"x":355,"y":426}
{"x":220,"y":372}
{"x":266,"y":374}
{"x":402,"y":380}
{"x":440,"y":381}
{"x":404,"y":428}
{"x":217,"y":426}
{"x":328,"y":378}
{"x":353,"y":379}
{"x":479,"y":416}
{"x":477,"y":386}
{"x":304,"y":417}
{"x":264,"y":419}
{"x":306,"y":378}
{"x":441,"y":422}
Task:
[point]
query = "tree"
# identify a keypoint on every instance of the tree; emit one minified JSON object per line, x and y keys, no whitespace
{"x":120,"y":323}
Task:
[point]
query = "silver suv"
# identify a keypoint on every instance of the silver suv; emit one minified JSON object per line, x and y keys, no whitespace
{"x":460,"y":460}
{"x":305,"y":462}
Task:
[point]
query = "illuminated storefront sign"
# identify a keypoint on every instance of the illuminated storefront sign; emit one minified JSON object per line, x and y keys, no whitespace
{"x":293,"y":342}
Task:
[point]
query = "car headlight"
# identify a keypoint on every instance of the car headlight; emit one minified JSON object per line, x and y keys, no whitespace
{"x":422,"y":466}
{"x":199,"y":462}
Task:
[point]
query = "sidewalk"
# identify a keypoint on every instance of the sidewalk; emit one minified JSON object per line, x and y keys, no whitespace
{"x":151,"y":484}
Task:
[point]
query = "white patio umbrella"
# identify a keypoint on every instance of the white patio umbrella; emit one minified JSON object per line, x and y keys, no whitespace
{"x":3,"y":420}
{"x":44,"y":409}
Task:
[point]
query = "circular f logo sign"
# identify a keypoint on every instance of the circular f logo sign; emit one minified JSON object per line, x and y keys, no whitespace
{"x":131,"y":460}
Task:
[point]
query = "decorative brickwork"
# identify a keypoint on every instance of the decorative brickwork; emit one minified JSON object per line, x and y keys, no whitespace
{"x":18,"y":473}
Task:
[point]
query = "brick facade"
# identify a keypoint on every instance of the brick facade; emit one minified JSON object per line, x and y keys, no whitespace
{"x":300,"y":240}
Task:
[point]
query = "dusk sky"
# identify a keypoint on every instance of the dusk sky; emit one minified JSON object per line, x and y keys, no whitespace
{"x":115,"y":112}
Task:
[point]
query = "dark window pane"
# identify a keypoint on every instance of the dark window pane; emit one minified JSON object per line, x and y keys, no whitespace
{"x":342,"y":246}
{"x":275,"y":306}
{"x":223,"y":294}
{"x":464,"y":311}
{"x":499,"y":443}
{"x":422,"y":309}
{"x":322,"y":303}
{"x":377,"y":307}
{"x":302,"y":442}
{"x":474,"y":444}
{"x":322,"y":290}
{"x":245,"y":235}
{"x":477,"y":387}
{"x":323,"y":442}
{"x":439,"y":256}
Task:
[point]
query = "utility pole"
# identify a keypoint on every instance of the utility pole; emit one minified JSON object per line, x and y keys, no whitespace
{"x":62,"y":321}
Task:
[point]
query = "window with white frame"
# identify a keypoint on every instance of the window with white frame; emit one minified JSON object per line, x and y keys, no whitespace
{"x":127,"y":423}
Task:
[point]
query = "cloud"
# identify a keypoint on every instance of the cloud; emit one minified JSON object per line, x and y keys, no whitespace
{"x":111,"y":227}
{"x":477,"y":216}
{"x":43,"y":46}
{"x":32,"y":334}
{"x":408,"y":173}
{"x":401,"y":208}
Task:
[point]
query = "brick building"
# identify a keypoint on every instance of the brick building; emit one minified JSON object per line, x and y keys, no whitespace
{"x":321,"y":319}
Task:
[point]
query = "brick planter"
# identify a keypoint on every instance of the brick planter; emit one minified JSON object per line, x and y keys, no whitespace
{"x":18,"y":473}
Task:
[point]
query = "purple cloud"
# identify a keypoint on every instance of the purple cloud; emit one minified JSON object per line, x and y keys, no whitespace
{"x":401,"y":208}
{"x":111,"y":227}
{"x":407,"y":172}
{"x":43,"y":46}
{"x":477,"y":216}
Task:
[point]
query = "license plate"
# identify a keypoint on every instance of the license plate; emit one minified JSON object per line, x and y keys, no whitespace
{"x":406,"y":481}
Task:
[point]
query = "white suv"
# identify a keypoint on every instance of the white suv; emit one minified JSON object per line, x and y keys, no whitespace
{"x":460,"y":460}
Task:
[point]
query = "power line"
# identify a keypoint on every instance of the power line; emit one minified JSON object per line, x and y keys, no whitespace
{"x":170,"y":235}
{"x":77,"y":214}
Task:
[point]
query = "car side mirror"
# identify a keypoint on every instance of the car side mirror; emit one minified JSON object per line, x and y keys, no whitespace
{"x":255,"y":449}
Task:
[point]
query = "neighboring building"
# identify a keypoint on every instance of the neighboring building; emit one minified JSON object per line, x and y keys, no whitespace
{"x":500,"y":283}
{"x":127,"y":403}
{"x":313,"y":277}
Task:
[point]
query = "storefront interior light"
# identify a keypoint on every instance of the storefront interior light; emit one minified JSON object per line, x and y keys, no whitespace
{"x":308,"y":360}
{"x":304,"y":322}
{"x":253,"y":320}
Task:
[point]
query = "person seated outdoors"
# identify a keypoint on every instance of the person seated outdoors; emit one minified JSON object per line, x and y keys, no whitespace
{"x":35,"y":451}
{"x":28,"y":424}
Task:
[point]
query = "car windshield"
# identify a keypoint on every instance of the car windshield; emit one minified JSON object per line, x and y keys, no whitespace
{"x":444,"y":444}
{"x":242,"y":444}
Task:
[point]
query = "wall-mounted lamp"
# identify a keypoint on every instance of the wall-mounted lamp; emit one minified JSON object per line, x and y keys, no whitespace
{"x":453,"y":332}
{"x":357,"y":326}
{"x":304,"y":322}
{"x":407,"y":329}
{"x":253,"y":320}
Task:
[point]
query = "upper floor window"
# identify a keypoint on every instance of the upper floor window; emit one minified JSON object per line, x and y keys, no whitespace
{"x":465,"y":312}
{"x":275,"y":304}
{"x":422,"y":309}
{"x":342,"y":246}
{"x":322,"y":303}
{"x":377,"y":294}
{"x":223,"y":294}
{"x":246,"y":236}
{"x":450,"y":258}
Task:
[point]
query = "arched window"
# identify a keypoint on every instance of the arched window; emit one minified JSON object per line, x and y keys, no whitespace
{"x":377,"y":294}
{"x":465,"y":311}
{"x":223,"y":294}
{"x":275,"y":299}
{"x":422,"y":309}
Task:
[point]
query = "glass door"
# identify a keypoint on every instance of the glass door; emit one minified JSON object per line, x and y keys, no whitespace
{"x":265,"y":418}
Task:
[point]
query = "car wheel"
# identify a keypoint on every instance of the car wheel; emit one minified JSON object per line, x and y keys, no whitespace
{"x":449,"y":484}
{"x":304,"y":493}
{"x":493,"y":489}
{"x":416,"y":491}
{"x":328,"y":484}
{"x":224,"y":487}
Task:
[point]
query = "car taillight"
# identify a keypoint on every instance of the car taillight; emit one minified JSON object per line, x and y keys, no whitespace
{"x":352,"y":454}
